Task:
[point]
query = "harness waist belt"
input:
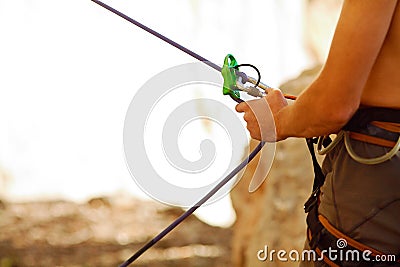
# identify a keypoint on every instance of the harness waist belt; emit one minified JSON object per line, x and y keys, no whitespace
{"x":378,"y":126}
{"x":364,"y":116}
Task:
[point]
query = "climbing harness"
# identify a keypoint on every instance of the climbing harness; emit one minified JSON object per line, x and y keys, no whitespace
{"x":347,"y":136}
{"x":234,"y":82}
{"x":323,"y":236}
{"x":379,"y":126}
{"x":378,"y":120}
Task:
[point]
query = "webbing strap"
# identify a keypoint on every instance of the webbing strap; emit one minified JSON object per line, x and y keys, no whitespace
{"x":363,"y":116}
{"x":372,"y":139}
{"x":319,"y":177}
{"x":388,"y":126}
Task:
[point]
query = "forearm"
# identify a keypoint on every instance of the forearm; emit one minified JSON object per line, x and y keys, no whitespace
{"x":313,"y":114}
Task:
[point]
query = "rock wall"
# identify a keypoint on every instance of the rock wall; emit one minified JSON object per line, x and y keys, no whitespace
{"x":104,"y":232}
{"x":273,"y":216}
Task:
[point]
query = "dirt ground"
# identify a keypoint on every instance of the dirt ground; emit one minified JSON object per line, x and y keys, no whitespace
{"x":105,"y":232}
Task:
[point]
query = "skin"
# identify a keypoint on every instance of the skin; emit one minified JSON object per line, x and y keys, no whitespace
{"x":362,"y":69}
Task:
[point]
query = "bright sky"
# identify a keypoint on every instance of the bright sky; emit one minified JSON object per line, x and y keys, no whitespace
{"x":69,"y":69}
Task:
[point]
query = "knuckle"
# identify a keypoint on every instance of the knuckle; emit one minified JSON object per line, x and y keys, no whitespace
{"x":239,"y":107}
{"x":255,"y":136}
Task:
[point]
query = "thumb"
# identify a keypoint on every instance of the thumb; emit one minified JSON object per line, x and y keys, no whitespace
{"x":241,"y":107}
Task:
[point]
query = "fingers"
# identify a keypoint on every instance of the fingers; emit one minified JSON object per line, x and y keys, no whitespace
{"x":242,"y":107}
{"x":269,"y":90}
{"x":273,"y":91}
{"x":248,"y":116}
{"x":245,"y":108}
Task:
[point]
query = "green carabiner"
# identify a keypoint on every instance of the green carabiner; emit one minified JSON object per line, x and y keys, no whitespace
{"x":229,"y":74}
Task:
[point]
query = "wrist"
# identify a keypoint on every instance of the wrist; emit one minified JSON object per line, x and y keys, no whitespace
{"x":279,"y":127}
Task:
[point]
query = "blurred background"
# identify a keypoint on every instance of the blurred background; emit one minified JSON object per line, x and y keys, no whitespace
{"x":68,"y":71}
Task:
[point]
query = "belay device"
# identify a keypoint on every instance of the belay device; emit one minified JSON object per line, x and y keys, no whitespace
{"x":234,"y":82}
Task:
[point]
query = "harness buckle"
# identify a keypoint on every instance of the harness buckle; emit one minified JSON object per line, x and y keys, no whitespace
{"x":312,"y":200}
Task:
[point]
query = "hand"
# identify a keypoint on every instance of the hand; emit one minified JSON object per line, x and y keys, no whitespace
{"x":260,"y":115}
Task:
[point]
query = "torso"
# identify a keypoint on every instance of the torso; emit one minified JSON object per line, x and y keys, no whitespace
{"x":383,"y":86}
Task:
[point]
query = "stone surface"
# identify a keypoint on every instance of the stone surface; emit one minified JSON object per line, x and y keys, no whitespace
{"x":105,"y":232}
{"x":273,"y":216}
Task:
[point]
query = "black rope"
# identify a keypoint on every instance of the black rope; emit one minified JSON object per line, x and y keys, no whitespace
{"x":162,"y":37}
{"x":194,"y":207}
{"x":237,"y":99}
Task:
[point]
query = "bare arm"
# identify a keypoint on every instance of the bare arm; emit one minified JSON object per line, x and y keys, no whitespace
{"x":330,"y":101}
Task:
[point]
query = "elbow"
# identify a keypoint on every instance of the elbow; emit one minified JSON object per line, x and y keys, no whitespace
{"x":339,"y":117}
